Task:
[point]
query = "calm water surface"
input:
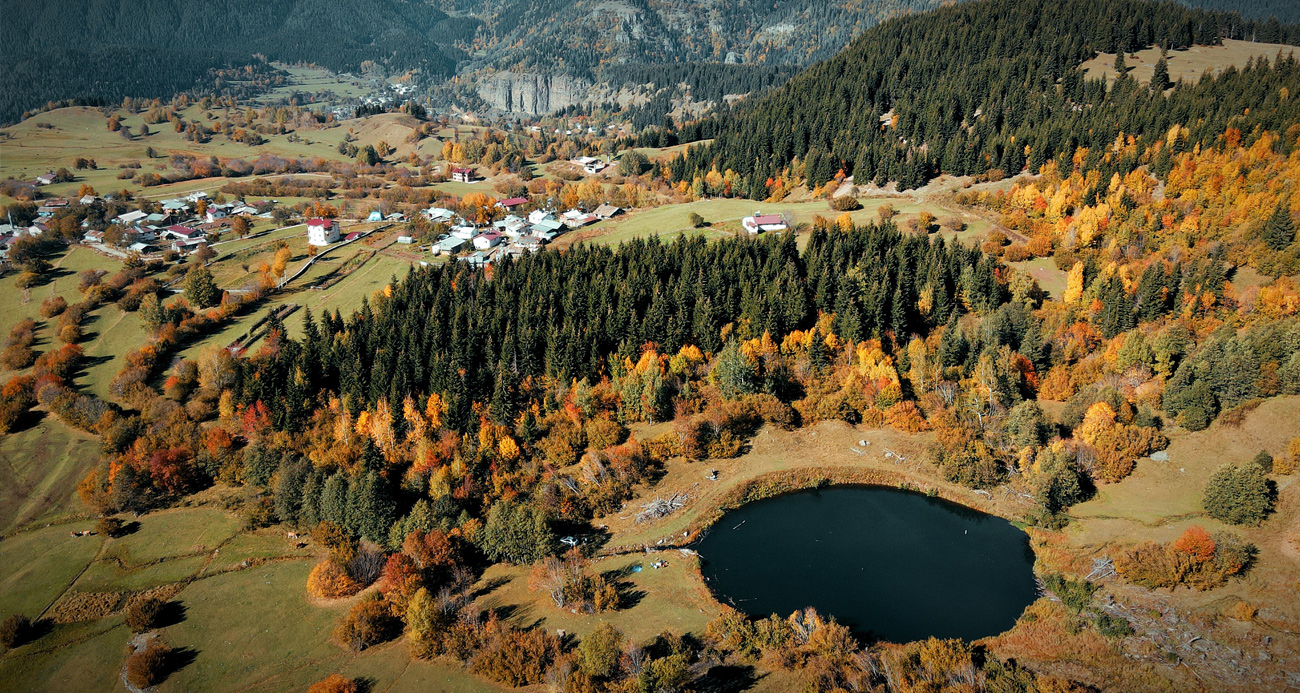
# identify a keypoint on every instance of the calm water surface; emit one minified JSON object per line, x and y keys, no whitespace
{"x":890,"y":564}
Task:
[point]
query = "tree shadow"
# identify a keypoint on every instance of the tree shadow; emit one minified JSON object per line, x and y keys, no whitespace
{"x":365,"y":684}
{"x":727,"y":679}
{"x":180,"y":658}
{"x":489,"y":587}
{"x":171,"y":613}
{"x":38,"y":629}
{"x":26,"y":420}
{"x":628,"y":594}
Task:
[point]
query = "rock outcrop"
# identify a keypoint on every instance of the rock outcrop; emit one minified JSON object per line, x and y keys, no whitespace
{"x":532,"y":93}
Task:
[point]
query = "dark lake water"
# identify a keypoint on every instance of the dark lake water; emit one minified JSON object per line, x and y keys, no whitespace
{"x":890,"y":564}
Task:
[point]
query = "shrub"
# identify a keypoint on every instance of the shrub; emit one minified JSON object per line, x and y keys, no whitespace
{"x":328,"y":580}
{"x":1264,"y":460}
{"x":697,"y":221}
{"x":846,"y":203}
{"x":599,"y":652}
{"x":108,"y":526}
{"x":143,"y":615}
{"x":15,"y":630}
{"x":1288,"y":463}
{"x":334,"y":683}
{"x":52,"y":306}
{"x":1238,"y":495}
{"x":1075,"y":594}
{"x":148,"y":667}
{"x":367,"y":624}
{"x":1113,"y":626}
{"x":515,"y":657}
{"x":1153,"y":565}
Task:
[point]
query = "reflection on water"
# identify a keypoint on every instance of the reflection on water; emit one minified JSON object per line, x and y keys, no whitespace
{"x":890,"y":564}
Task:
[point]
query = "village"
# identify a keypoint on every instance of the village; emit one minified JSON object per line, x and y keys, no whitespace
{"x":171,"y":229}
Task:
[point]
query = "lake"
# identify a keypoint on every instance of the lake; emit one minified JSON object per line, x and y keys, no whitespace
{"x":890,"y":564}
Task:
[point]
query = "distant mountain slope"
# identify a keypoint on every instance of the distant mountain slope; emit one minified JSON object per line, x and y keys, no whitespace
{"x":989,"y":84}
{"x":578,"y":36}
{"x":1287,"y":11}
{"x":108,"y":49}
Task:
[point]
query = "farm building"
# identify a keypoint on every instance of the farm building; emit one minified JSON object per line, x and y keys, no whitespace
{"x":607,"y":211}
{"x":764,"y":222}
{"x":511,"y":203}
{"x":322,"y":231}
{"x":463,"y":175}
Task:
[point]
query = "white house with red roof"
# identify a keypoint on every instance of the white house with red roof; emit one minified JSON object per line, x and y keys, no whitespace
{"x":463,"y":175}
{"x":322,"y":231}
{"x":764,"y":222}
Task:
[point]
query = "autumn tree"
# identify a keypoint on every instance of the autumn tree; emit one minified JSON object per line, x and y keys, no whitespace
{"x":200,"y":288}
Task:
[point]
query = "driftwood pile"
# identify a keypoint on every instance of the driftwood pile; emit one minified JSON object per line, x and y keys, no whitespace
{"x":661,"y":507}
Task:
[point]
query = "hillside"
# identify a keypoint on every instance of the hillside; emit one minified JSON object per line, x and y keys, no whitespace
{"x":978,"y":87}
{"x":154,"y":49}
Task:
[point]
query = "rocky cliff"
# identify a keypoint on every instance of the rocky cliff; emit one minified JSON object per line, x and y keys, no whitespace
{"x":533,"y":93}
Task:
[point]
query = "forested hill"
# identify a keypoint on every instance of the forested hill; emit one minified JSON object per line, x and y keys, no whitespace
{"x":1284,"y":11}
{"x":990,"y":84}
{"x":580,"y":36}
{"x":108,"y":49}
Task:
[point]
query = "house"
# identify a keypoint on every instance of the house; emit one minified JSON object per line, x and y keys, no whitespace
{"x":477,"y":258}
{"x":590,"y":164}
{"x":463,"y":175}
{"x":196,"y":196}
{"x":575,"y":218}
{"x":375,"y":216}
{"x":448,"y":245}
{"x":88,"y":199}
{"x":215,"y":214}
{"x":464,"y":233}
{"x":395,"y":216}
{"x":608,"y":211}
{"x":131,"y":218}
{"x":5,"y":242}
{"x":438,"y":214}
{"x":139,"y":247}
{"x":406,"y":240}
{"x":174,"y":206}
{"x":93,"y":237}
{"x":47,"y":179}
{"x":512,"y":226}
{"x":352,"y":236}
{"x":187,"y":247}
{"x":764,"y":222}
{"x":182,"y":233}
{"x":550,"y":227}
{"x":539,"y":215}
{"x":511,"y":203}
{"x":486,"y":240}
{"x":322,"y":231}
{"x":530,"y":243}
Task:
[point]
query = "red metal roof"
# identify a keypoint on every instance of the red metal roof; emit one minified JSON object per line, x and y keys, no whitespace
{"x":766,"y":219}
{"x":513,"y":202}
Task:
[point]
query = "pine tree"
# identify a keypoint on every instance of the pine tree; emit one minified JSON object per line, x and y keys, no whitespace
{"x":1279,"y":230}
{"x":1160,"y":76}
{"x":733,"y":373}
{"x":150,"y":311}
{"x":200,"y":288}
{"x":334,"y":500}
